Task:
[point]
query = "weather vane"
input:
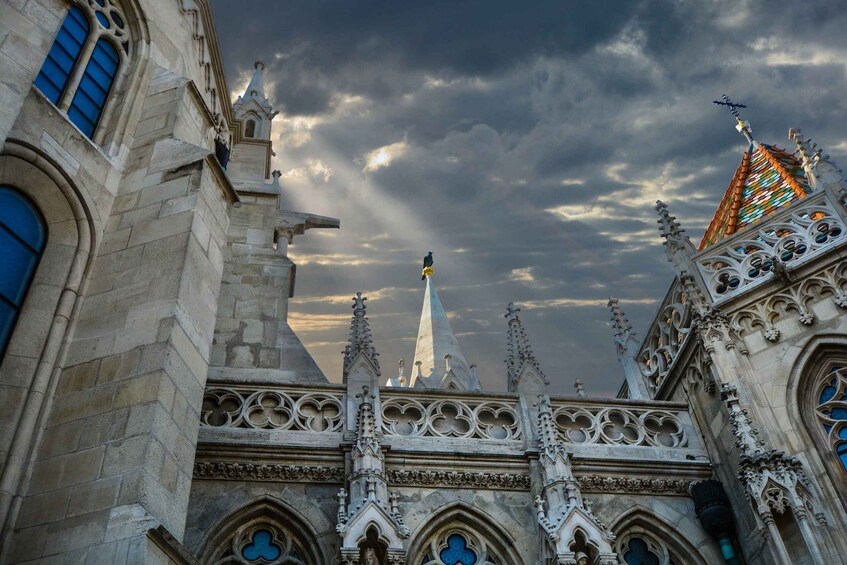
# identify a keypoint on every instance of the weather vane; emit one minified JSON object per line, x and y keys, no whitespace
{"x":742,"y":126}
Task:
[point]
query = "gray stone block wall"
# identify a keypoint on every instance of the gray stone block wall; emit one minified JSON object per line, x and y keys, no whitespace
{"x":118,"y":443}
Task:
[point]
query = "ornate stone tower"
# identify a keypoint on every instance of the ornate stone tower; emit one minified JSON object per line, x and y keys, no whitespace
{"x":751,"y":334}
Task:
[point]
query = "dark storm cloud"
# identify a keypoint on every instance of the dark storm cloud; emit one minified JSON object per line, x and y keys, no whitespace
{"x":526,"y":146}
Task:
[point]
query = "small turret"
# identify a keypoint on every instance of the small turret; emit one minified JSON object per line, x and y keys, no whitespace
{"x":253,"y":108}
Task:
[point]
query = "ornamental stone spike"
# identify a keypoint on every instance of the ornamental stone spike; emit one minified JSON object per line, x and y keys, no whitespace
{"x":820,"y":170}
{"x":370,"y":503}
{"x":567,"y":512}
{"x":746,"y":436}
{"x":669,"y":227}
{"x":774,"y":483}
{"x":518,"y":350}
{"x":622,"y":329}
{"x":627,"y":346}
{"x":361,"y":339}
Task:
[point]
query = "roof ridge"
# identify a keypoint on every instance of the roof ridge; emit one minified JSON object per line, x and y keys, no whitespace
{"x":734,"y":192}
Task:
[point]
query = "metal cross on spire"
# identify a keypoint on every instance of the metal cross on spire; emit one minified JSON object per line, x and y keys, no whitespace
{"x":742,"y":126}
{"x":733,"y":107}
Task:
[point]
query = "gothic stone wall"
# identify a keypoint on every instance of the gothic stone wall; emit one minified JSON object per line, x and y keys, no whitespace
{"x":216,"y":503}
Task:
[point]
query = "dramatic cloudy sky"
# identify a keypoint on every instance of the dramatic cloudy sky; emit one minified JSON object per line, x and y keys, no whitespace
{"x":525,"y":145}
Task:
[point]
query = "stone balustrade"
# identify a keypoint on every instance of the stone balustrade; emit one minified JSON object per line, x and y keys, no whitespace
{"x":785,"y":240}
{"x":411,"y":420}
{"x":274,"y":408}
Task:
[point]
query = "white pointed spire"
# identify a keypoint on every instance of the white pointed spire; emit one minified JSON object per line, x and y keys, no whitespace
{"x":435,"y":341}
{"x":361,"y":339}
{"x":256,"y":88}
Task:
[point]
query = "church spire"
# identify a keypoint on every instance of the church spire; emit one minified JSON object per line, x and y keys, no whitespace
{"x":253,"y":107}
{"x":518,"y":350}
{"x":442,"y":363}
{"x":361,"y":339}
{"x":256,"y":88}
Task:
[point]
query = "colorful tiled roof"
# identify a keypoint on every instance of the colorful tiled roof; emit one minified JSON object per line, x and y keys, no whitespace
{"x":767,"y":179}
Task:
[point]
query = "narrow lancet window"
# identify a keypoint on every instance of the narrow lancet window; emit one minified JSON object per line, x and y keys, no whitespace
{"x":22,"y":238}
{"x":90,"y":97}
{"x":53,"y":78}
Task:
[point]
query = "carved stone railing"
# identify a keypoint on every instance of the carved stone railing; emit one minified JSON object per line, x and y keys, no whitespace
{"x":426,"y":415}
{"x":274,"y":408}
{"x":666,"y":337}
{"x":604,"y":424}
{"x":415,"y":422}
{"x":787,"y":239}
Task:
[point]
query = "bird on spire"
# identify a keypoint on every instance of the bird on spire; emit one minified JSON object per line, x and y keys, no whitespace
{"x":427,"y":269}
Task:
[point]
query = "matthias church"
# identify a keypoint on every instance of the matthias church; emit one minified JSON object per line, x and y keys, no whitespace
{"x":158,"y":408}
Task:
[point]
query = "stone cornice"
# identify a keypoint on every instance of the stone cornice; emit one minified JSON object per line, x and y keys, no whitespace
{"x":243,"y":471}
{"x":458,"y":479}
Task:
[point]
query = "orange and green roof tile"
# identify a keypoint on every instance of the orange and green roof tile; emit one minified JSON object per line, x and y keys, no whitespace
{"x":767,"y":179}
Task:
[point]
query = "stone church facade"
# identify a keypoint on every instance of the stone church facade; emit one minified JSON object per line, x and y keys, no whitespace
{"x":158,"y":408}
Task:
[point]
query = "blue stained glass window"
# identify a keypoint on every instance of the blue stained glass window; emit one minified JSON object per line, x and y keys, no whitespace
{"x":457,"y":552}
{"x":832,"y":412}
{"x":90,"y":97}
{"x":639,"y":553}
{"x":56,"y":70}
{"x":22,"y":239}
{"x":261,"y":547}
{"x":827,"y":393}
{"x":841,"y":450}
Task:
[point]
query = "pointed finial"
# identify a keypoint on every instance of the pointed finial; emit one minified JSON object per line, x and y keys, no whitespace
{"x":361,"y":339}
{"x":258,"y":65}
{"x":580,"y":388}
{"x":401,"y":372}
{"x":746,"y":436}
{"x":621,"y":328}
{"x":511,"y":311}
{"x":668,"y":225}
{"x":742,"y":126}
{"x":620,"y":323}
{"x":518,"y":349}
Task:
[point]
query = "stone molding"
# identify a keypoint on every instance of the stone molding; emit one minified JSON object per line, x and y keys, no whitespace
{"x":633,"y":485}
{"x":242,"y":471}
{"x":458,"y":479}
{"x":795,"y":299}
{"x":236,"y":471}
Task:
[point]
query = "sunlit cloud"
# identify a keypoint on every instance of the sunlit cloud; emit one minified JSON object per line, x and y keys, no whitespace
{"x":383,"y":156}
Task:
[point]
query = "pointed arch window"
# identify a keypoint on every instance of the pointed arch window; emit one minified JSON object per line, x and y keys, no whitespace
{"x":81,"y":68}
{"x":642,"y":549}
{"x":250,"y":128}
{"x":23,"y":235}
{"x":832,"y":411}
{"x":455,"y":547}
{"x":53,"y":78}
